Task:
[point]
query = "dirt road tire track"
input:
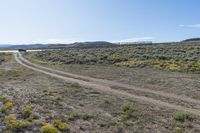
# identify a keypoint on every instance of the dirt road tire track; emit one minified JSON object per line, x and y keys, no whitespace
{"x":105,"y":87}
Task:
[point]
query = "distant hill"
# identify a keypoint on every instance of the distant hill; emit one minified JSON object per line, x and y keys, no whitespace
{"x":76,"y":44}
{"x":191,"y":39}
{"x":91,"y":44}
{"x":29,"y":46}
{"x":5,"y":45}
{"x":9,"y":46}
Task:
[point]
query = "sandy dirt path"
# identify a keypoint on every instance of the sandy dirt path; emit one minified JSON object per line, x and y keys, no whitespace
{"x":104,"y":86}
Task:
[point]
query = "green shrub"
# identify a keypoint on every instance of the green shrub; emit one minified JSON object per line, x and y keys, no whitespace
{"x":180,"y":116}
{"x":57,"y":98}
{"x":178,"y":130}
{"x":6,"y":106}
{"x":10,"y":117}
{"x":72,"y":116}
{"x":194,"y":66}
{"x":16,"y":125}
{"x":39,"y":122}
{"x":32,"y":117}
{"x":48,"y":129}
{"x":5,"y":99}
{"x":26,"y":112}
{"x":75,"y":85}
{"x":63,"y":126}
{"x":85,"y":116}
{"x":49,"y":116}
{"x":126,"y":63}
{"x":127,"y":110}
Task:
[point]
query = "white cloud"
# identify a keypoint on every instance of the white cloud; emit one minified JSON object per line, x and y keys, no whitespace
{"x":197,"y":26}
{"x":60,"y":41}
{"x":72,"y":40}
{"x":136,"y":39}
{"x":46,"y":41}
{"x":53,"y":40}
{"x":65,"y":41}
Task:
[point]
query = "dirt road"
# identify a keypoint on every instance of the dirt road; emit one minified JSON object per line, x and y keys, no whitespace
{"x":111,"y":83}
{"x":106,"y":86}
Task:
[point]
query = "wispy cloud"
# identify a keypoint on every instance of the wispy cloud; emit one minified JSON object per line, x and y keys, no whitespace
{"x":66,"y":41}
{"x":49,"y":41}
{"x":72,"y":40}
{"x":53,"y":40}
{"x":197,"y":26}
{"x":136,"y":39}
{"x":62,"y":40}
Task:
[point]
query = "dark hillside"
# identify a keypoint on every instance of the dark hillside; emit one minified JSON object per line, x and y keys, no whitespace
{"x":192,"y":39}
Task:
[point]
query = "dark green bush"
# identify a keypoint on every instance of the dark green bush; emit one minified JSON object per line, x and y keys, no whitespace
{"x":127,"y":110}
{"x":180,"y":116}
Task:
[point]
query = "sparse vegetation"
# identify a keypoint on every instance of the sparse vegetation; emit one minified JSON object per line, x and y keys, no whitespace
{"x":10,"y":120}
{"x":143,"y":66}
{"x":45,"y":104}
{"x":183,"y":56}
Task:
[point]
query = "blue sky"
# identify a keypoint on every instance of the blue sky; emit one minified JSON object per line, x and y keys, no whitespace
{"x":64,"y":21}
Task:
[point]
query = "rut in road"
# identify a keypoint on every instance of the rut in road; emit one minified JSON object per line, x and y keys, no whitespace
{"x":108,"y":89}
{"x":112,"y":83}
